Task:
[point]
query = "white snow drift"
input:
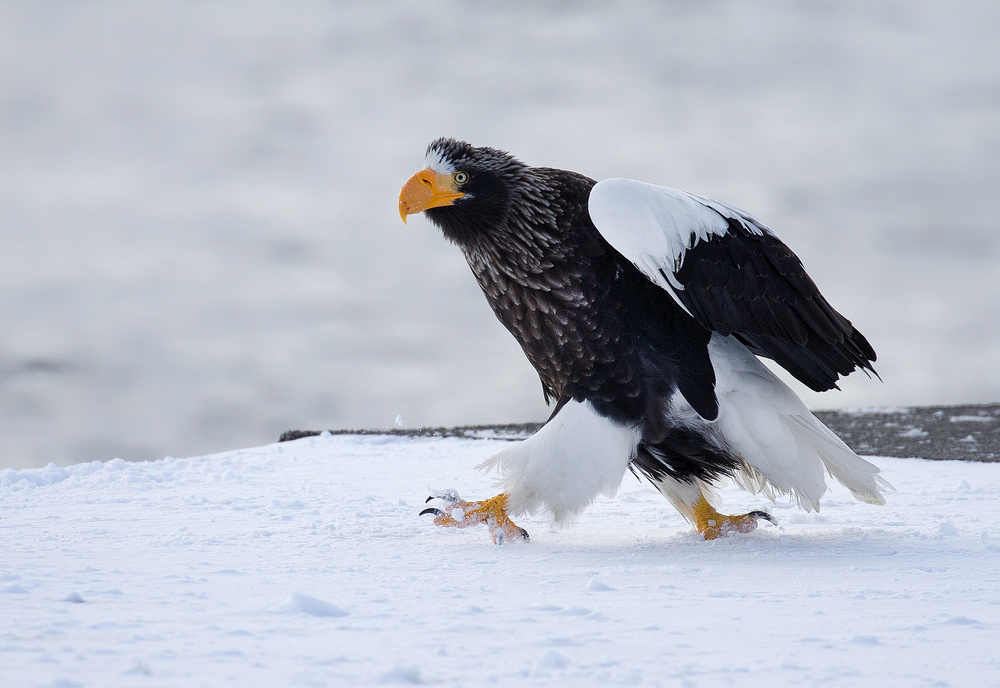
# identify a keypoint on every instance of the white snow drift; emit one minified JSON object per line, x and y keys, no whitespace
{"x":306,"y":564}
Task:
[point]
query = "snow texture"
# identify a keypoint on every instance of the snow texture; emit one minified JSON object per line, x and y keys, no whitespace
{"x":306,"y":564}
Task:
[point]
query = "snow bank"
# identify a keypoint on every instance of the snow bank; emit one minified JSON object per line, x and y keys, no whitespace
{"x":306,"y":563}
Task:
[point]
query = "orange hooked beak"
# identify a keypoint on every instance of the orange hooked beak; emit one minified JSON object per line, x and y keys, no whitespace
{"x":427,"y":189}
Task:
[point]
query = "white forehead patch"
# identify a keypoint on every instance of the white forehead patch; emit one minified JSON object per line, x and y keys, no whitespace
{"x":437,"y":162}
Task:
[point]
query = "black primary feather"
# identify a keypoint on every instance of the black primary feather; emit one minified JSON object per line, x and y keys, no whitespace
{"x":749,"y":284}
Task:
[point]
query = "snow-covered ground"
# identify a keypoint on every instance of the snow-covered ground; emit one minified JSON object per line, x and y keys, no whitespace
{"x":306,"y":564}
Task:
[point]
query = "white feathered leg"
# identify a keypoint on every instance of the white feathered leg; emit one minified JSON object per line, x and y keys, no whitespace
{"x":576,"y":456}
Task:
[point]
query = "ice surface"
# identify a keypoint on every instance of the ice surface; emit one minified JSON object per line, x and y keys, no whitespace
{"x":306,"y":564}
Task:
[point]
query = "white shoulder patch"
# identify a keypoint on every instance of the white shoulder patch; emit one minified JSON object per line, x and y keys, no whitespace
{"x":655,"y":226}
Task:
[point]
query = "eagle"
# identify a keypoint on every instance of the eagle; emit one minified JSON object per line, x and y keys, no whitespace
{"x":645,"y":311}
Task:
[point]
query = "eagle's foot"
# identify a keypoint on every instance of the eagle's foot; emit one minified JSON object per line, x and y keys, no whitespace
{"x":455,"y":512}
{"x":711,"y":524}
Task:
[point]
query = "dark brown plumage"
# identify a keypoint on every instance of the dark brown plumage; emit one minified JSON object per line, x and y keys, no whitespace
{"x":633,"y":317}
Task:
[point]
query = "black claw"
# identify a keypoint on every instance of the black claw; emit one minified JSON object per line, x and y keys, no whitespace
{"x":432,"y":510}
{"x":429,"y":499}
{"x":524,"y":534}
{"x":763,"y":514}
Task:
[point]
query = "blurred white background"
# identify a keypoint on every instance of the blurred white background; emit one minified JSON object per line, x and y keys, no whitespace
{"x":199,"y":240}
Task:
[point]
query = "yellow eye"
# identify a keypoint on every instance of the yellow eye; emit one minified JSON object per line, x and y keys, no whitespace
{"x":461,"y":177}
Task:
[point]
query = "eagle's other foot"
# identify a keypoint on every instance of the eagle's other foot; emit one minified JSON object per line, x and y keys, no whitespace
{"x":711,"y":524}
{"x":457,"y":513}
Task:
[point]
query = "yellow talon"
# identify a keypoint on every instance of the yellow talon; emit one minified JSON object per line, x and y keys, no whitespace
{"x":711,"y":524}
{"x":492,"y":512}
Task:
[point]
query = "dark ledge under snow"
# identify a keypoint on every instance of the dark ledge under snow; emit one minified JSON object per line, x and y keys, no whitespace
{"x":967,"y":432}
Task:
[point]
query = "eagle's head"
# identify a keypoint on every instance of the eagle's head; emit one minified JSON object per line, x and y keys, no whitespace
{"x":470,"y":192}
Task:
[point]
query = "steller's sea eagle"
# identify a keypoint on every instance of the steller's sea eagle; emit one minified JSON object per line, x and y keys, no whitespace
{"x":643,"y":309}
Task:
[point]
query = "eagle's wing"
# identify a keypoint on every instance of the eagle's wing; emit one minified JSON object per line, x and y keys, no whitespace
{"x":733,"y":275}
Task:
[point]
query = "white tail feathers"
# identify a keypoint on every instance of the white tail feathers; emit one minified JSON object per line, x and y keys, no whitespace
{"x":784,"y":446}
{"x":857,"y":475}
